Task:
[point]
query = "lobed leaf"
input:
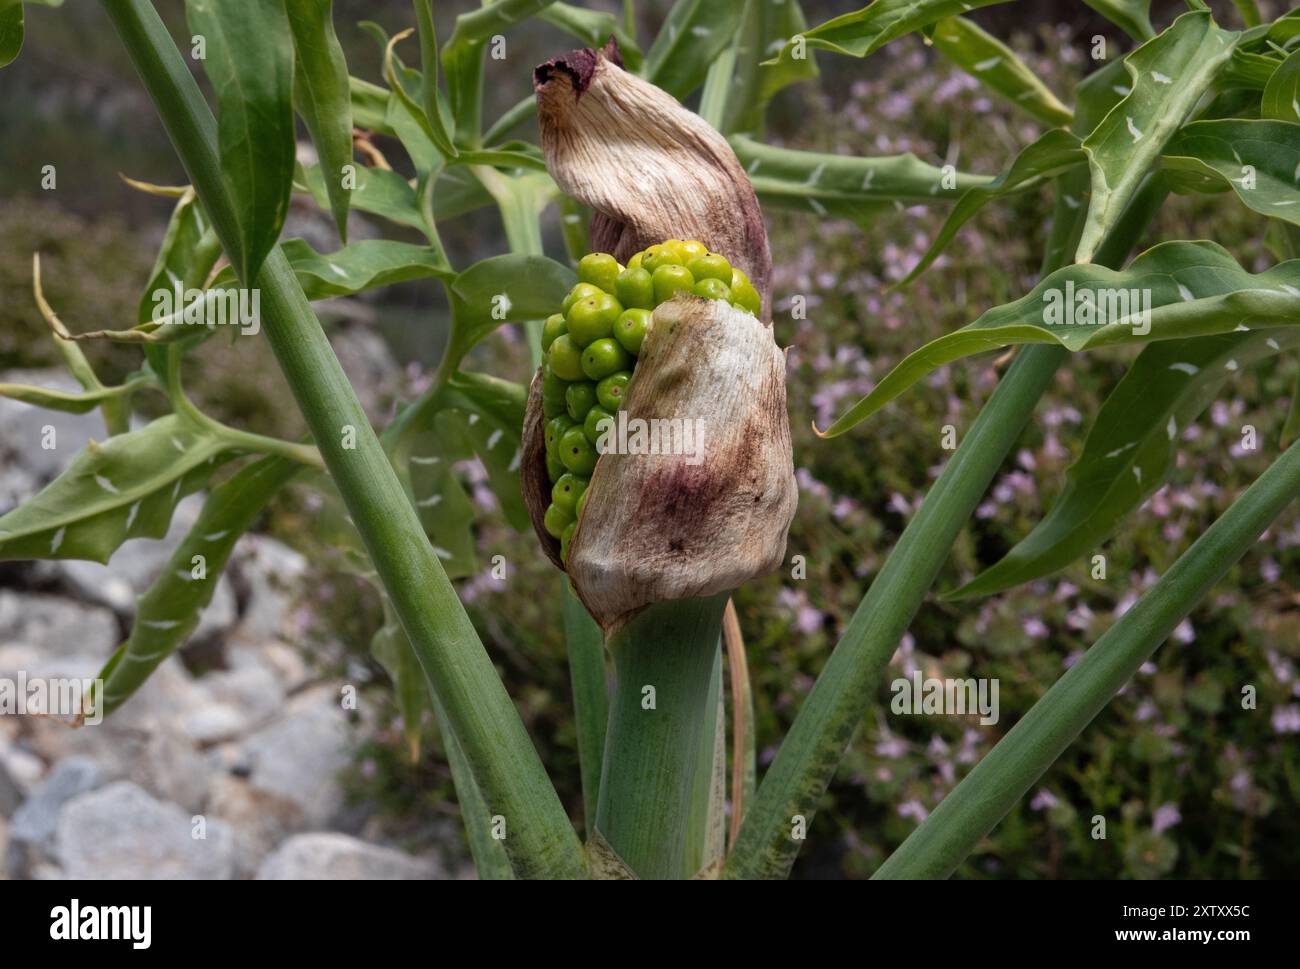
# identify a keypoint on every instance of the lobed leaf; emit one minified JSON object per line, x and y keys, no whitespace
{"x":1130,"y":450}
{"x":503,"y":289}
{"x":126,"y":487}
{"x":1195,"y":289}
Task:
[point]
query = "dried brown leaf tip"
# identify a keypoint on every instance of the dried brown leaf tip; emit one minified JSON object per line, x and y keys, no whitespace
{"x":651,"y":169}
{"x":689,"y":488}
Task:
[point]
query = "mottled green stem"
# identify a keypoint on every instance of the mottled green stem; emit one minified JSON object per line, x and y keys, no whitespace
{"x":984,"y":797}
{"x":662,"y":708}
{"x":539,"y":839}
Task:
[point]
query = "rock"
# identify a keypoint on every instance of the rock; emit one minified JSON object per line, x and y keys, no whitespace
{"x":329,"y":855}
{"x":32,"y":829}
{"x":272,"y":573}
{"x":141,"y":741}
{"x":299,"y":756}
{"x":259,"y":819}
{"x":20,"y":772}
{"x":11,"y":795}
{"x":235,"y":701}
{"x":24,"y":452}
{"x":4,"y":848}
{"x":120,"y":832}
{"x":60,"y":627}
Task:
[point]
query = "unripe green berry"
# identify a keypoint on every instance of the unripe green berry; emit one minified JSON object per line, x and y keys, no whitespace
{"x":592,"y":318}
{"x":630,"y":329}
{"x":713,"y":289}
{"x":580,"y":398}
{"x":567,"y":490}
{"x":557,"y":519}
{"x":635,"y":288}
{"x":659,"y":255}
{"x":577,"y":453}
{"x":669,"y":280}
{"x":710,"y":266}
{"x":635,"y":261}
{"x":566,"y":358}
{"x":555,"y":325}
{"x":555,"y":428}
{"x":592,"y":426}
{"x":554,"y":467}
{"x":580,"y":291}
{"x":582,"y":503}
{"x":604,"y":357}
{"x":600,"y":269}
{"x":687,"y":250}
{"x":566,"y":539}
{"x":746,"y":297}
{"x":610,"y":390}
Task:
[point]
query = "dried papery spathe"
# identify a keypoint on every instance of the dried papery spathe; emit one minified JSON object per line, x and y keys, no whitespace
{"x":649,"y":168}
{"x":705,"y":517}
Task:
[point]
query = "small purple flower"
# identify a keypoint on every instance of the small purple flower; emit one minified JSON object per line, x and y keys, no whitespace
{"x":1286,"y":719}
{"x":1165,"y":817}
{"x":1034,"y":628}
{"x":913,"y":809}
{"x":1044,"y":800}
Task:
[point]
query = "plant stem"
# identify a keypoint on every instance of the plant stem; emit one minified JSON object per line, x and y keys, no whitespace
{"x":539,"y":839}
{"x":651,"y":754}
{"x":984,"y":797}
{"x":586,"y":648}
{"x":829,"y":716}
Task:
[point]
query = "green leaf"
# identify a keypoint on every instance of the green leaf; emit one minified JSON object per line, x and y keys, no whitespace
{"x":250,"y":64}
{"x":765,"y":27}
{"x":379,"y":191}
{"x":585,"y":645}
{"x":1131,"y":16}
{"x":1007,"y":772}
{"x":70,"y":403}
{"x":370,"y":106}
{"x":594,"y":28}
{"x":862,"y":32}
{"x":1258,"y":159}
{"x":356,"y":267}
{"x":842,"y":185}
{"x":993,"y":63}
{"x":11,"y":34}
{"x":433,"y":127}
{"x":445,"y":510}
{"x":1247,"y":71}
{"x":492,"y":419}
{"x":124,"y":488}
{"x":323,"y":97}
{"x":169,"y":610}
{"x":1281,"y":98}
{"x":1056,"y":151}
{"x":692,"y":37}
{"x":1169,"y":74}
{"x":1195,"y":289}
{"x":1130,"y":449}
{"x":504,"y":289}
{"x":181,"y":257}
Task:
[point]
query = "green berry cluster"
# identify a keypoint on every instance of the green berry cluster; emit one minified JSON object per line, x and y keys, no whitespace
{"x":591,"y":347}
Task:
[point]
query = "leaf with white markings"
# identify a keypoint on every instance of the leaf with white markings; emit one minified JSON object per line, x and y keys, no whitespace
{"x":356,"y":267}
{"x":170,"y":609}
{"x":1169,"y":74}
{"x":842,"y":185}
{"x":693,"y":35}
{"x":250,"y":64}
{"x":994,"y":64}
{"x":1056,"y":151}
{"x":379,"y":191}
{"x":323,"y":97}
{"x":1130,"y":449}
{"x":126,"y":487}
{"x":1258,"y":159}
{"x":1193,"y":288}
